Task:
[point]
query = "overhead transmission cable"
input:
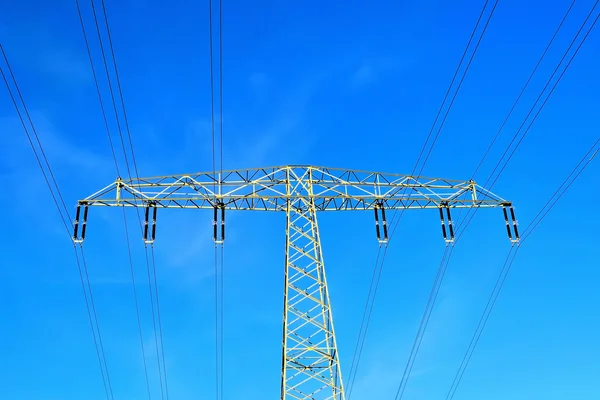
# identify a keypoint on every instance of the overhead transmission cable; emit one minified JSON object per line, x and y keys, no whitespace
{"x":152,"y":283}
{"x":222,"y":277}
{"x":105,"y":118}
{"x":447,"y":257}
{"x":587,"y":158}
{"x":56,"y":196}
{"x":374,"y":285}
{"x":502,"y":165}
{"x":157,"y":337}
{"x":218,"y":261}
{"x":518,"y":99}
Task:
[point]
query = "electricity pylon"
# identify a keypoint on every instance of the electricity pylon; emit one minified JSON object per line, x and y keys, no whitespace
{"x":310,"y":360}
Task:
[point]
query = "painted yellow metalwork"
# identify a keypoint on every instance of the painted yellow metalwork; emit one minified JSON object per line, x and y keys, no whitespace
{"x":311,"y":367}
{"x":310,"y":360}
{"x":265,"y":189}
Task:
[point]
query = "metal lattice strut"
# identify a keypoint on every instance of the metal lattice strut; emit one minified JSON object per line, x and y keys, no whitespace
{"x":310,"y":362}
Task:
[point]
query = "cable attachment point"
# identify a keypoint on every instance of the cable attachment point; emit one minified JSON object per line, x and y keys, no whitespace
{"x":219,"y":239}
{"x":147,"y":223}
{"x":76,"y":238}
{"x":511,"y":223}
{"x":447,"y":226}
{"x":384,"y":239}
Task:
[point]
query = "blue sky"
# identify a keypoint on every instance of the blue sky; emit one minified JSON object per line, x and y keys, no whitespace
{"x":355,"y":87}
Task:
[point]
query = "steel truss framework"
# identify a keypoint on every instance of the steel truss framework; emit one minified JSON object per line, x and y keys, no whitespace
{"x":310,"y":361}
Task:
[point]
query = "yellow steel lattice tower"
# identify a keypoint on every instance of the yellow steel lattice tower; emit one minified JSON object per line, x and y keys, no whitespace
{"x":310,"y":364}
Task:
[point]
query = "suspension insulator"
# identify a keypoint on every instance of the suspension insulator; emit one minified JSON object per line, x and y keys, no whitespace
{"x":443,"y":224}
{"x":446,"y":221}
{"x":76,"y":223}
{"x":382,"y":240}
{"x":511,"y":223}
{"x":377,"y":231}
{"x":384,"y":223}
{"x":147,"y":223}
{"x":222,"y":222}
{"x":154,"y":223}
{"x":515,"y":224}
{"x":84,"y":223}
{"x":508,"y":231}
{"x":145,"y":234}
{"x":219,"y":239}
{"x":215,"y":224}
{"x":450,"y":224}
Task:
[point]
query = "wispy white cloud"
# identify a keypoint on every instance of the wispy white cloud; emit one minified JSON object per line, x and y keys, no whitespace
{"x":60,"y":151}
{"x":271,"y":143}
{"x":364,"y":75}
{"x":258,"y":79}
{"x":373,"y":71}
{"x":64,"y":64}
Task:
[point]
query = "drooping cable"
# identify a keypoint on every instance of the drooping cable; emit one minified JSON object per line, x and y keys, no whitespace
{"x":56,"y":194}
{"x":158,"y":336}
{"x":218,"y":375}
{"x":160,"y":329}
{"x":512,"y":109}
{"x":119,"y":89}
{"x":58,"y":198}
{"x":437,"y":284}
{"x":365,"y":320}
{"x":429,"y":310}
{"x":93,"y":319}
{"x":394,"y":223}
{"x":461,"y":227}
{"x":487,"y":22}
{"x":135,"y":298}
{"x":96,"y":82}
{"x":587,"y":158}
{"x":110,"y":87}
{"x":222,"y":269}
{"x":147,"y":379}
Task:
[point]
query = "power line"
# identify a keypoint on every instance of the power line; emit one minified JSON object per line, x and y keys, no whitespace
{"x":470,"y":215}
{"x":110,"y":87}
{"x":158,"y":337}
{"x":222,"y":278}
{"x":215,"y":263}
{"x":129,"y":174}
{"x":425,"y":320}
{"x":429,"y":309}
{"x":221,"y":81}
{"x":212,"y":86}
{"x":452,"y":82}
{"x":137,"y":307}
{"x":539,"y":217}
{"x":160,"y":329}
{"x":508,"y":262}
{"x":437,"y":284}
{"x":87,"y":46}
{"x":551,"y":90}
{"x":222,"y":282}
{"x":218,"y":262}
{"x":523,"y":89}
{"x":37,"y":138}
{"x":366,"y":319}
{"x":487,"y":22}
{"x":374,"y":285}
{"x":89,"y":304}
{"x":81,"y":265}
{"x":120,"y":91}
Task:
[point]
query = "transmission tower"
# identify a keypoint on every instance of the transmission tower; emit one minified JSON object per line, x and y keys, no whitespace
{"x":310,"y":360}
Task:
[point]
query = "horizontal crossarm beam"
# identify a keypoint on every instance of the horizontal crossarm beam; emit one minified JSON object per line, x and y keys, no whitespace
{"x":264,"y":189}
